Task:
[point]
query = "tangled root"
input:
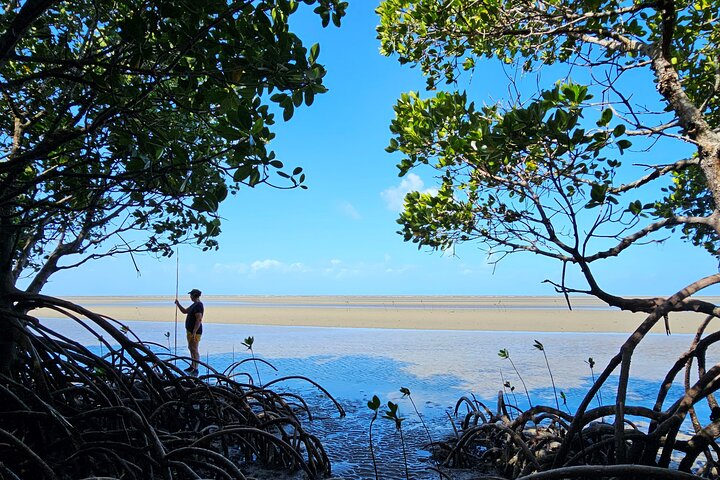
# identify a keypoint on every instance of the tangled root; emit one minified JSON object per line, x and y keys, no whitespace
{"x":66,"y":412}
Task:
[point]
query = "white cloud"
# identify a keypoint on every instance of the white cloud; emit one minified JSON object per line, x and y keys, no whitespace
{"x":342,"y":270}
{"x":349,"y":210}
{"x":220,"y":268}
{"x":277,"y":266}
{"x":394,"y":196}
{"x":268,"y":264}
{"x":259,"y":266}
{"x":335,"y":268}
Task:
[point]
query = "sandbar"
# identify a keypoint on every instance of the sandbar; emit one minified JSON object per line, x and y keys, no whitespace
{"x":479,"y":313}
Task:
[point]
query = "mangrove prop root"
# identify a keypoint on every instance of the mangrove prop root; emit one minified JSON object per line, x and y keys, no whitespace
{"x":547,"y":443}
{"x":67,"y":412}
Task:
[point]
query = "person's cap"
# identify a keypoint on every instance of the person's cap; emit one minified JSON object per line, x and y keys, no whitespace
{"x":195,"y":292}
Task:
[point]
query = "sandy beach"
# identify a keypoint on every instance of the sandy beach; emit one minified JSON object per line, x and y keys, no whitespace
{"x":479,"y":313}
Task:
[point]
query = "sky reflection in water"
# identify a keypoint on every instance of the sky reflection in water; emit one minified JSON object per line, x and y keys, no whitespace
{"x":438,"y":367}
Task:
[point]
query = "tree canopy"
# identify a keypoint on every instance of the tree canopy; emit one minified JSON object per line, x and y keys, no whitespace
{"x":125,"y":124}
{"x":140,"y":116}
{"x":550,"y":173}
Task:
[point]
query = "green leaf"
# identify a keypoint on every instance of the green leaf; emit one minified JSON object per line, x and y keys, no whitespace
{"x":309,"y":97}
{"x":314,"y":52}
{"x":288,"y":112}
{"x":623,"y":144}
{"x":242,"y":172}
{"x":597,"y":192}
{"x":605,"y":118}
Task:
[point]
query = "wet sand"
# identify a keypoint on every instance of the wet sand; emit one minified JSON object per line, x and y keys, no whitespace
{"x":479,"y":313}
{"x":447,"y":348}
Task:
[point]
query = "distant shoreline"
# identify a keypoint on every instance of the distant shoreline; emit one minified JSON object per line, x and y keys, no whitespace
{"x":441,"y":312}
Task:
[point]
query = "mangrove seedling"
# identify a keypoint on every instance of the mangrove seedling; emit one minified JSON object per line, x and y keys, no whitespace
{"x":507,"y":386}
{"x":248,"y":343}
{"x":541,"y":347}
{"x":392,"y":414}
{"x":564,"y":399}
{"x":373,"y":405}
{"x":511,"y":387}
{"x":598,"y":395}
{"x":406,"y":393}
{"x":504,"y":353}
{"x":167,"y":337}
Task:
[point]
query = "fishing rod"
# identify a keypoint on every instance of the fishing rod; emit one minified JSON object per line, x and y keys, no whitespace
{"x":177,"y":285}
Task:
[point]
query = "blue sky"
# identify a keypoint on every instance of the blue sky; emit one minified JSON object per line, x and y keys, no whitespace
{"x":339,"y":237}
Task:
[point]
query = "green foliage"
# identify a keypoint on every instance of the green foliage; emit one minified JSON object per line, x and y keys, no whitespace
{"x":392,"y":414}
{"x":406,"y":393}
{"x":591,"y":364}
{"x":688,"y":195}
{"x":248,"y":343}
{"x":538,"y":345}
{"x":493,"y":162}
{"x":543,"y":172}
{"x":445,"y":37}
{"x":374,"y":404}
{"x":505,"y":354}
{"x":134,"y":116}
{"x":564,"y":400}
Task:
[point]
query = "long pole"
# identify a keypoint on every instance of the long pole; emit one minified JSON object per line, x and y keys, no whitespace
{"x":177,"y":285}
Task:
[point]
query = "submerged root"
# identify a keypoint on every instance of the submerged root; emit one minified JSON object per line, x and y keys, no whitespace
{"x":547,"y":443}
{"x":69,"y":413}
{"x":527,"y":448}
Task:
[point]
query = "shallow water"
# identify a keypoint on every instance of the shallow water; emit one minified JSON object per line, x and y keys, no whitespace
{"x":438,"y":367}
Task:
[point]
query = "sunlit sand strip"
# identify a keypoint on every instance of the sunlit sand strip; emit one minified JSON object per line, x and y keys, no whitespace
{"x":530,"y":314}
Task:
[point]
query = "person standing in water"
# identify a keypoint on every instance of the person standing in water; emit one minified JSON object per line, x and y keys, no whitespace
{"x":193,"y":327}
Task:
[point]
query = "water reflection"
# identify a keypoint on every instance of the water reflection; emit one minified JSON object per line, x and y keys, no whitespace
{"x":437,"y":366}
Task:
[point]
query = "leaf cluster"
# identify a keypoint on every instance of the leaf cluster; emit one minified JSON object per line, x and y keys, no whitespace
{"x":544,"y":174}
{"x":501,"y":167}
{"x":142,"y":117}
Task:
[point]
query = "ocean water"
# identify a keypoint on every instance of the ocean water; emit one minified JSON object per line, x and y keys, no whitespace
{"x":438,"y":367}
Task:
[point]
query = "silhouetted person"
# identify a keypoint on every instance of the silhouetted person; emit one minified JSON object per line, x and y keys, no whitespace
{"x":193,"y":327}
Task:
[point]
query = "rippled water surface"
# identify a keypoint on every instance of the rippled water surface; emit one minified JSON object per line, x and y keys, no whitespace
{"x":438,"y":367}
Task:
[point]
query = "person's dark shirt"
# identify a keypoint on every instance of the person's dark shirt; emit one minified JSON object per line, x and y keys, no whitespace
{"x":190,"y":320}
